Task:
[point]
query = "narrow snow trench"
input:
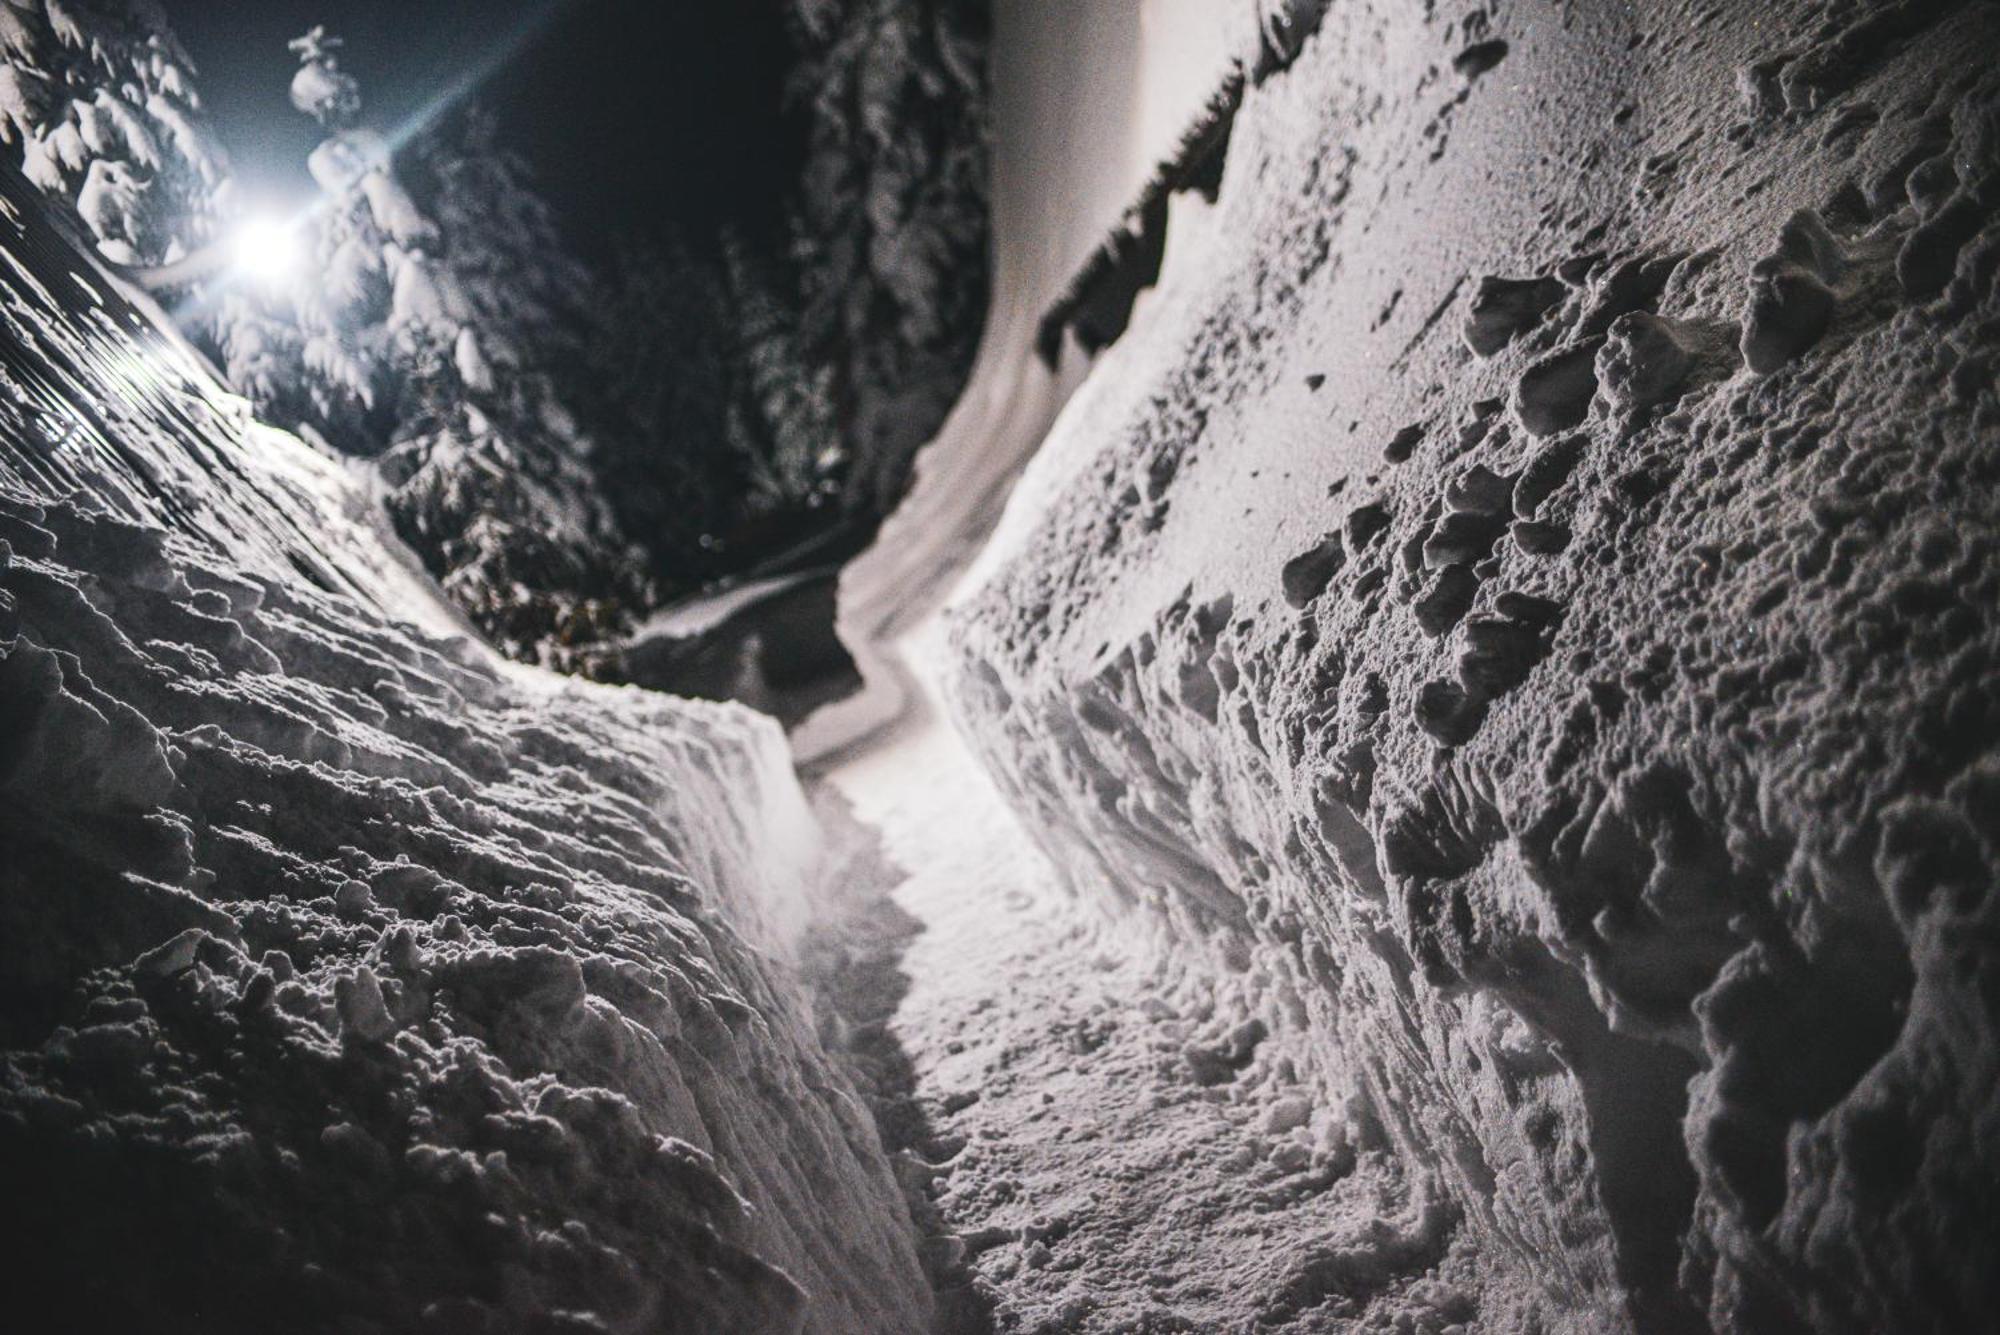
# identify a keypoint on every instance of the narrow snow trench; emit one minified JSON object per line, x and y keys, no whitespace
{"x":1094,"y":1135}
{"x":1090,"y":1133}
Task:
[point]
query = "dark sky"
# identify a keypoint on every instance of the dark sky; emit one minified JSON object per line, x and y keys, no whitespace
{"x":638,"y":115}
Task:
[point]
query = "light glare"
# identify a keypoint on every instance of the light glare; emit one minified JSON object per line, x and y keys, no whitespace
{"x":266,"y":250}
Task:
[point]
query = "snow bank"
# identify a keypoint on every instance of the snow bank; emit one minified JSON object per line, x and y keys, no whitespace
{"x":1087,"y":101}
{"x":351,"y":978}
{"x":1525,"y":605}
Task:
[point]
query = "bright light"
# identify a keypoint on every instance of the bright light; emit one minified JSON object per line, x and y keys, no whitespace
{"x":266,"y":250}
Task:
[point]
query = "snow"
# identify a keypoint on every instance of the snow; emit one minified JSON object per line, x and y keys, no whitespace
{"x":376,"y":976}
{"x":119,"y":130}
{"x":471,"y":362}
{"x":1103,"y":1140}
{"x":84,"y":86}
{"x":314,"y":87}
{"x":417,"y":302}
{"x":1458,"y":794}
{"x":343,"y":160}
{"x":64,"y":23}
{"x":353,"y":272}
{"x":16,"y":37}
{"x":697,"y":616}
{"x":395,"y":213}
{"x":1532,"y":704}
{"x":391,"y":351}
{"x":320,"y":88}
{"x":20,"y":100}
{"x":194,"y":142}
{"x":858,"y":339}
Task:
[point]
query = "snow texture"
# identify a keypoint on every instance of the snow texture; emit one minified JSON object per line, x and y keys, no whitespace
{"x":1522,"y":606}
{"x":1099,"y":1137}
{"x":354,"y":979}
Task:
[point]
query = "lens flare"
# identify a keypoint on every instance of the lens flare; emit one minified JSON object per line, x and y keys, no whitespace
{"x":267,"y":250}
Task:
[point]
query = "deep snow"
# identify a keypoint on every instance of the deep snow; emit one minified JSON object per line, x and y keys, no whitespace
{"x":1480,"y":808}
{"x":1100,"y":1135}
{"x":355,"y":979}
{"x":1522,"y":604}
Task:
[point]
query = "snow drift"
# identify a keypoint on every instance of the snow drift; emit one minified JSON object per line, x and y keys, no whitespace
{"x":1524,"y":603}
{"x":349,"y":971}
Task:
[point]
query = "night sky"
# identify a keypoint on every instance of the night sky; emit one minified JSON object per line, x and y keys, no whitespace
{"x":639,"y":116}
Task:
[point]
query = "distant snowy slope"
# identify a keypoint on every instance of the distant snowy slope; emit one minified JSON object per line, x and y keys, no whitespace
{"x":1088,"y":100}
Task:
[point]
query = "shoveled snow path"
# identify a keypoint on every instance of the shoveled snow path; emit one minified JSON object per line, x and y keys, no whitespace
{"x":1119,"y":1147}
{"x":1095,"y":1182}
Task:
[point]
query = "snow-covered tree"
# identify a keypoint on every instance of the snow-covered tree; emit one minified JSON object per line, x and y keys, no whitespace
{"x":320,"y":88}
{"x":890,"y":223}
{"x":789,"y":386}
{"x":98,"y":110}
{"x":528,"y":294}
{"x":430,"y":335}
{"x":526,"y":415}
{"x":379,"y":320}
{"x":794,"y":453}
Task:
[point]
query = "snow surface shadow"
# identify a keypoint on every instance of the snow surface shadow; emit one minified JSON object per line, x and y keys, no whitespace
{"x":853,"y":963}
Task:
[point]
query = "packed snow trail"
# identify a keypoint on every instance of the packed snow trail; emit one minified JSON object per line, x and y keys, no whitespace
{"x":1529,"y":602}
{"x":1511,"y":637}
{"x":1107,"y":1144}
{"x":1108,"y":1139}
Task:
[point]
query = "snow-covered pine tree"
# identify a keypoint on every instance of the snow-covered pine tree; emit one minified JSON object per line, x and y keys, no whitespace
{"x":772,"y":382}
{"x":98,"y":109}
{"x":320,"y":88}
{"x":378,"y":321}
{"x":531,"y":299}
{"x":889,"y":234}
{"x":794,"y":457}
{"x":429,"y":341}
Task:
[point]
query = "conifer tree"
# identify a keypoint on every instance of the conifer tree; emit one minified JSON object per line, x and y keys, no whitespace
{"x":97,"y":109}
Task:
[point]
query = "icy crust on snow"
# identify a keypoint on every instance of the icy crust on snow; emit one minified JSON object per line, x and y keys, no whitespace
{"x":352,"y":979}
{"x":1528,"y":610}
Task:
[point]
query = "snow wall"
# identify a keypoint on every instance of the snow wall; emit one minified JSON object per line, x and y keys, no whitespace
{"x":1522,"y":606}
{"x":351,"y":976}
